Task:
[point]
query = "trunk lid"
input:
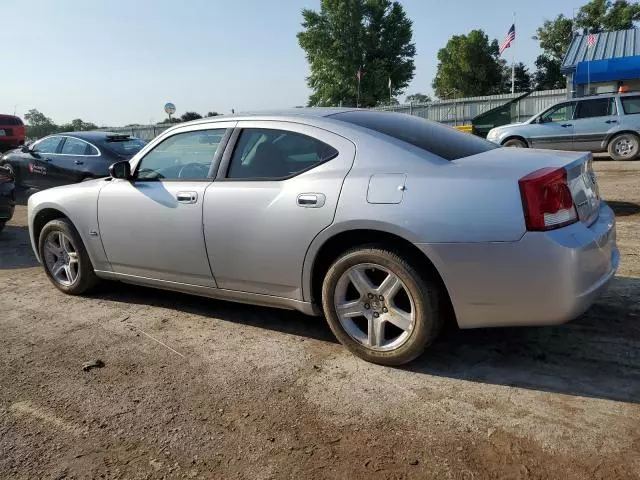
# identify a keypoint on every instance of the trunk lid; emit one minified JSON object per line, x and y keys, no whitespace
{"x":517,"y":163}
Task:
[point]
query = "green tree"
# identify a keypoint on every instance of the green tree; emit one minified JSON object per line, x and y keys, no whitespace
{"x":606,"y":15}
{"x":167,"y":120}
{"x":347,"y":36}
{"x":188,"y":116}
{"x":38,"y":124}
{"x":522,"y":78}
{"x":212,"y":114}
{"x":548,"y":75}
{"x":77,"y":125}
{"x":417,"y":98}
{"x":468,"y":66}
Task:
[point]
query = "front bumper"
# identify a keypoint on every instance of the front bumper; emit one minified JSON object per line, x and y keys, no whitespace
{"x":545,"y":278}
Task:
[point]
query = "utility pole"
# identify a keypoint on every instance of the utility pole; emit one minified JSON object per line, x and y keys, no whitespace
{"x":513,"y":60}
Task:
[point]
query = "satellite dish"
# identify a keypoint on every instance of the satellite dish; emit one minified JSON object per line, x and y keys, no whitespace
{"x":169,"y":108}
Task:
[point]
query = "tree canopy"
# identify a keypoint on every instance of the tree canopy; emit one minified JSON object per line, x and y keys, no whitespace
{"x":188,"y":116}
{"x":417,"y":98}
{"x":373,"y":37}
{"x":39,"y":125}
{"x":468,"y":66}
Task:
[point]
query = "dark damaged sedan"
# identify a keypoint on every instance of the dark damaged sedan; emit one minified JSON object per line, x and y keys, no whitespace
{"x":7,"y":196}
{"x":66,"y":158}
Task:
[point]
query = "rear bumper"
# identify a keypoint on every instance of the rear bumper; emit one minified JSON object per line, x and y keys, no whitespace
{"x":545,"y":278}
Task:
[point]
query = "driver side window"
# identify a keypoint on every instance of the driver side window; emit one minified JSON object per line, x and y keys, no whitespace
{"x":183,"y":156}
{"x":560,"y":113}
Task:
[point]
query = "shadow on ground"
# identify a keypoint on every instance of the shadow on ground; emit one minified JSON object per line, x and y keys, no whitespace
{"x":15,"y":248}
{"x":597,"y":355}
{"x":624,"y":209}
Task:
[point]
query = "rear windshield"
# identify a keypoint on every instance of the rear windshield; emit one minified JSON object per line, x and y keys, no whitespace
{"x":10,"y":121}
{"x":631,"y":105}
{"x":433,"y":137}
{"x":126,"y":146}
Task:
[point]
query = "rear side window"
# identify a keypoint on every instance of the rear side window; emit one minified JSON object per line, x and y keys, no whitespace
{"x":74,"y":146}
{"x":125,"y":146}
{"x":600,"y":107}
{"x":432,"y":137}
{"x":10,"y":121}
{"x":631,"y":105}
{"x":264,"y":154}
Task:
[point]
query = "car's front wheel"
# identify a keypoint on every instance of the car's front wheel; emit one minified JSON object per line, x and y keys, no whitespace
{"x":624,"y":146}
{"x":379,"y":306}
{"x":65,"y":259}
{"x":515,"y":143}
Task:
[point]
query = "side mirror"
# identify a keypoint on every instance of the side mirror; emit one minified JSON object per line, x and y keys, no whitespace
{"x":540,"y":120}
{"x":25,"y":148}
{"x":120,"y":170}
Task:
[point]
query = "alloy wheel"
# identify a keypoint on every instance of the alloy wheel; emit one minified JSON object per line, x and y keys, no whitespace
{"x":374,"y":307}
{"x":61,"y":258}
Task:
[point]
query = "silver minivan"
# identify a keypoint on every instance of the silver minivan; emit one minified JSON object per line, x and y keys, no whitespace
{"x":604,"y":123}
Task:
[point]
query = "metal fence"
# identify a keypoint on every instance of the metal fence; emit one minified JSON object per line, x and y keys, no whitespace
{"x":461,"y":111}
{"x":458,"y":111}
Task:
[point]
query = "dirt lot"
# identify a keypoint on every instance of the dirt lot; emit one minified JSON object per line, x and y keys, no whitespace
{"x":196,"y":388}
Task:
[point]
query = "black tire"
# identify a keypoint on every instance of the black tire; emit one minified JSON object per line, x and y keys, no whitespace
{"x":86,"y":277}
{"x":624,"y":146}
{"x":515,"y":143}
{"x":424,"y":293}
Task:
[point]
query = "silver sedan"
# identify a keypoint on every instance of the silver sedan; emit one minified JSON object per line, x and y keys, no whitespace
{"x":383,"y":222}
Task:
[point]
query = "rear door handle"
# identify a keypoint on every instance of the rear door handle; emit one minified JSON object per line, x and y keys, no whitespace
{"x":611,"y":121}
{"x":566,"y":124}
{"x":311,"y":200}
{"x":78,"y":162}
{"x":187,"y":197}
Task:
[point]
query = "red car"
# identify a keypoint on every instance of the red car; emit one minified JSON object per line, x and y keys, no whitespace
{"x":12,"y":132}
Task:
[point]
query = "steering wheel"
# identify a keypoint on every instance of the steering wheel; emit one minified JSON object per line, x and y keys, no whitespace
{"x":193,"y":170}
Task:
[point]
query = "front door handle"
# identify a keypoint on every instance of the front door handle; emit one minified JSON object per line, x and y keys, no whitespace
{"x":78,"y":162}
{"x":311,"y":200}
{"x":187,"y":197}
{"x":611,"y":121}
{"x":566,"y":125}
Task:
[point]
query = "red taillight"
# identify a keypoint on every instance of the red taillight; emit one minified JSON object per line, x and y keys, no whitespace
{"x":547,"y":200}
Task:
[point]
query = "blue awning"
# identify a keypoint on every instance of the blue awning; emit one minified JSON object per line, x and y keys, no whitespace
{"x":609,"y":70}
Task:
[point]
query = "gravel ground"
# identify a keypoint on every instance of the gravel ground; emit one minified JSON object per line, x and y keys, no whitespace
{"x":196,"y":388}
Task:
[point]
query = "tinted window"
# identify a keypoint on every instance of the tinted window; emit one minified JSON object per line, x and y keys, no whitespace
{"x":630,"y":105}
{"x":600,"y":107}
{"x":10,"y":121}
{"x":433,"y":137}
{"x":125,"y":146}
{"x":47,"y":145}
{"x":74,"y":146}
{"x":560,"y":113}
{"x":276,"y":154}
{"x":184,"y":156}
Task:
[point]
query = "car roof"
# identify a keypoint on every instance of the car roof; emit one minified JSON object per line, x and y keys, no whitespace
{"x":91,"y":136}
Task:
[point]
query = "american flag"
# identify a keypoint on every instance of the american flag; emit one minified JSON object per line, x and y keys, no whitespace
{"x":591,"y":40}
{"x":511,"y":36}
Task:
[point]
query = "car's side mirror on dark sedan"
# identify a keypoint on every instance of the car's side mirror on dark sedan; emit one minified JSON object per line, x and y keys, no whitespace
{"x":25,"y":148}
{"x":120,"y":170}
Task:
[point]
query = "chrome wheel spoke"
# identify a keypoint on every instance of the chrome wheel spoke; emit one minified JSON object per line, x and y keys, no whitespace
{"x":390,"y":286}
{"x":360,"y":281}
{"x":52,"y":248}
{"x":376,"y":331}
{"x":57,"y":268}
{"x":68,"y":273}
{"x":73,"y":257}
{"x":350,"y":309}
{"x":401,"y":319}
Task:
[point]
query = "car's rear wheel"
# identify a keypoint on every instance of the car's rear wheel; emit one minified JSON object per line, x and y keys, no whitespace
{"x":379,"y":306}
{"x":515,"y":143}
{"x":65,"y":259}
{"x":624,"y":146}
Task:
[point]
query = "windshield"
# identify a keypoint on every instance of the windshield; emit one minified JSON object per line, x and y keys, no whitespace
{"x":126,"y":147}
{"x":443,"y":141}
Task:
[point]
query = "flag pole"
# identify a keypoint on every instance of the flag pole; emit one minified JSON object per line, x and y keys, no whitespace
{"x":389,"y":91}
{"x":513,"y":60}
{"x":358,"y":96}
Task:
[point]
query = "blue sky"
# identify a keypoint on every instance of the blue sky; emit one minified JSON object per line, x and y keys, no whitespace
{"x":116,"y":62}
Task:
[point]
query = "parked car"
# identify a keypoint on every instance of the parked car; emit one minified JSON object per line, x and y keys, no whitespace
{"x":71,"y":157}
{"x":380,"y":220}
{"x":12,"y":132}
{"x":603,"y":123}
{"x":7,"y":196}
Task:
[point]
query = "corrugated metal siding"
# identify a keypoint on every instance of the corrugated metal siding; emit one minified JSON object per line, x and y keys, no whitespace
{"x":462,"y":110}
{"x":621,"y":43}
